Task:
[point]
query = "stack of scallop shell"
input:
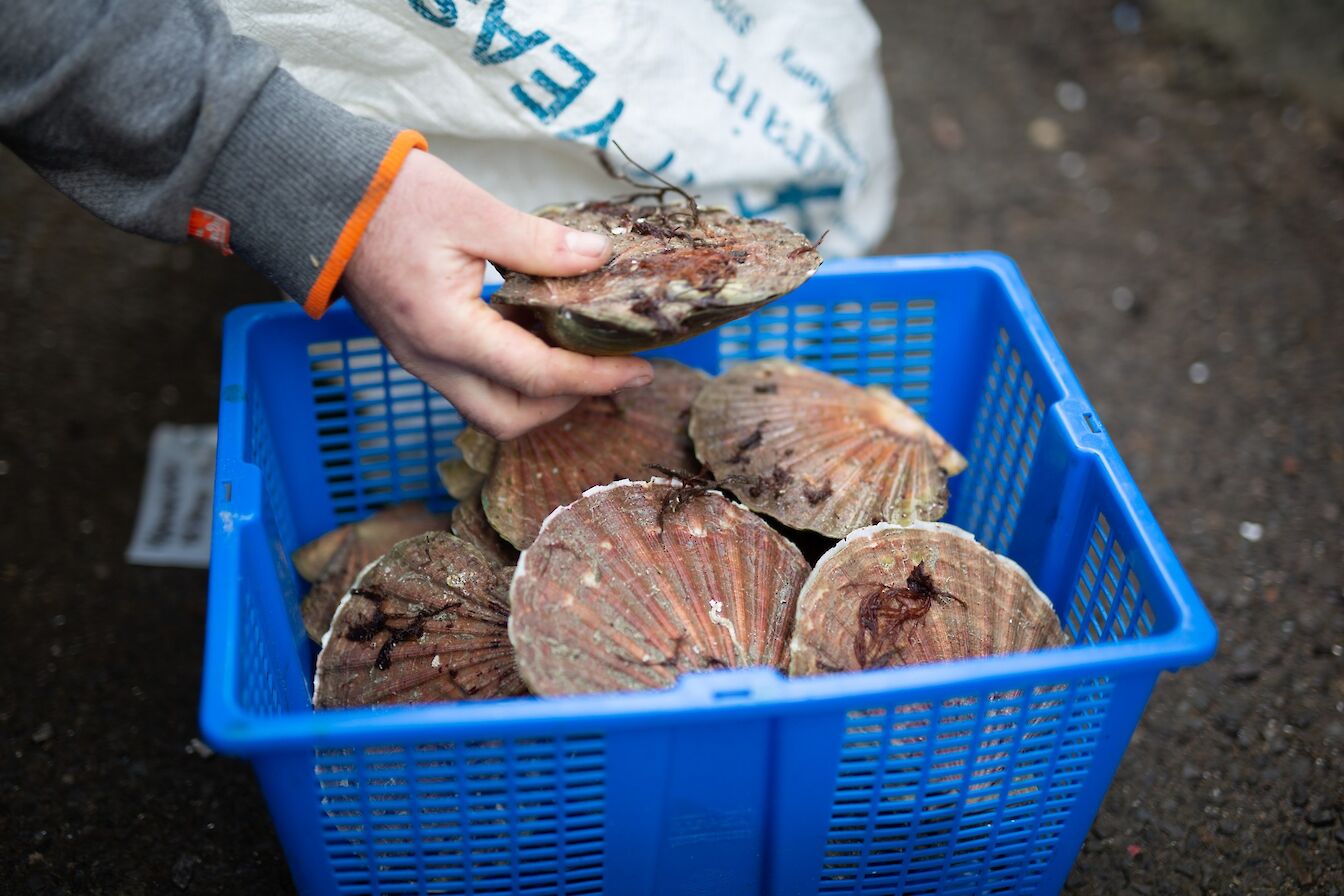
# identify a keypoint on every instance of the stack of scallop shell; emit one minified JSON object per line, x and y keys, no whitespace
{"x":656,"y":532}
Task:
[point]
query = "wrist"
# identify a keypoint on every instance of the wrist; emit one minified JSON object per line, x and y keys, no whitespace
{"x":296,"y":208}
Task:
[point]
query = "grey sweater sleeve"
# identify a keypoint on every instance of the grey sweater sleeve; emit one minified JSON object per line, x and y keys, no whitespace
{"x":143,"y":110}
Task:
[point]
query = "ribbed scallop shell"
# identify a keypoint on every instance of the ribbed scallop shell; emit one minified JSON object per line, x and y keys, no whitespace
{"x":818,"y":453}
{"x":626,"y":588}
{"x":668,"y":278}
{"x":899,"y":595}
{"x":470,"y":525}
{"x":427,"y":622}
{"x":601,"y":440}
{"x":332,"y":561}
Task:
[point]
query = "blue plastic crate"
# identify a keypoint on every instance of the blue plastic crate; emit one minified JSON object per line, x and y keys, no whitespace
{"x":977,"y":776}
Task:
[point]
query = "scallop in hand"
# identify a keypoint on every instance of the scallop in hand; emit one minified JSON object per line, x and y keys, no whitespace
{"x":899,"y":595}
{"x":637,"y":582}
{"x":427,"y":622}
{"x":673,"y":273}
{"x":819,"y":453}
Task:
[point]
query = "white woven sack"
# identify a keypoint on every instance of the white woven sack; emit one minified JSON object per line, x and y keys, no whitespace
{"x":772,"y":108}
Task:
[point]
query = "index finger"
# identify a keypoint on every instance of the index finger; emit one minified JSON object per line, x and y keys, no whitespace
{"x":506,"y":353}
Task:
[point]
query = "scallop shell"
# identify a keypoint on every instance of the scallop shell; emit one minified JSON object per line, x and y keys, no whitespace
{"x":899,"y":595}
{"x":478,"y":449}
{"x":637,"y":582}
{"x":600,"y":440}
{"x":332,"y":561}
{"x":460,"y":478}
{"x":818,"y":453}
{"x":470,"y":525}
{"x":668,"y":278}
{"x":428,"y":622}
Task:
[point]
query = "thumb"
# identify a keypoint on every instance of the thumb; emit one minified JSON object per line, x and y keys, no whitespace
{"x":532,"y":245}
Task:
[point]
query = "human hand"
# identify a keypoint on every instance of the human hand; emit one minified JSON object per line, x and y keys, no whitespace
{"x":416,"y":278}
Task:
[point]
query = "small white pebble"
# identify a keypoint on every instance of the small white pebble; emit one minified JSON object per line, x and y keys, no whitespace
{"x":617,"y":231}
{"x":1251,"y":531}
{"x":1071,"y":96}
{"x":435,"y":662}
{"x":1199,"y":373}
{"x":200,"y":748}
{"x":1122,"y":297}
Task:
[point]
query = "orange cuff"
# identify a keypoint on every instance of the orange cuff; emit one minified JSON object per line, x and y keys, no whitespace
{"x":319,"y":297}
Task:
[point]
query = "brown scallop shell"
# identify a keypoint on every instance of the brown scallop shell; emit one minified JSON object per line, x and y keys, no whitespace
{"x":470,"y":525}
{"x":600,"y":440}
{"x":818,"y":453}
{"x":427,"y":622}
{"x":332,"y":561}
{"x":669,"y":277}
{"x":899,"y":595}
{"x":637,"y":582}
{"x":460,"y":478}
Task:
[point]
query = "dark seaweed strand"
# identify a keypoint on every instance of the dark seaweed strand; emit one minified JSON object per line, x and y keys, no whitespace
{"x":693,"y":485}
{"x":409,"y":632}
{"x":367,"y":630}
{"x":668,"y":186}
{"x":811,"y":245}
{"x":898,"y":607}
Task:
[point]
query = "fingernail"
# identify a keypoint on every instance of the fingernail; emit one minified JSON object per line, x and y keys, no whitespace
{"x":590,"y":244}
{"x":639,"y":382}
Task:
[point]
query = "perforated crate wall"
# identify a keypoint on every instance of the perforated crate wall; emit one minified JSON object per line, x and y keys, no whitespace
{"x":964,"y":796}
{"x":1107,"y":602}
{"x":886,"y":342}
{"x":1003,"y":445}
{"x":380,"y":430}
{"x":475,"y":817}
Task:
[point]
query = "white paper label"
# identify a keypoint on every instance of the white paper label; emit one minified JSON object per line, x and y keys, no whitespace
{"x":172,"y":527}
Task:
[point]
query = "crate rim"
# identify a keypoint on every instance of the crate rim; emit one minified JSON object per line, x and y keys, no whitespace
{"x":703,"y":697}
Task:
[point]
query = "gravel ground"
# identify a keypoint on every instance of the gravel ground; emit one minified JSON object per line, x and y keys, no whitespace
{"x":1181,"y":225}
